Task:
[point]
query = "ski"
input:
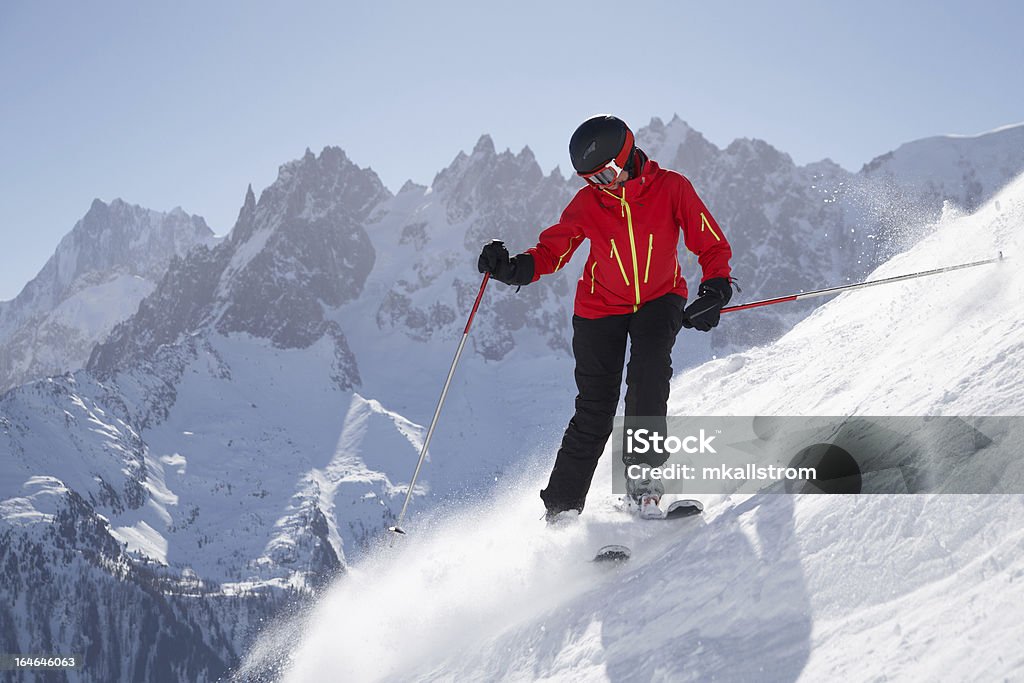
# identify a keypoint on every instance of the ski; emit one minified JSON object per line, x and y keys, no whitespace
{"x":684,"y":508}
{"x":612,"y":553}
{"x":679,"y":509}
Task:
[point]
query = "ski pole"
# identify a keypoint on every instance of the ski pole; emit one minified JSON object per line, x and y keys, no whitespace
{"x":397,"y":528}
{"x":859,"y":285}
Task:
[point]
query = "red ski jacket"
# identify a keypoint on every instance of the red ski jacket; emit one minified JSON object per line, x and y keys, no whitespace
{"x":634,"y":234}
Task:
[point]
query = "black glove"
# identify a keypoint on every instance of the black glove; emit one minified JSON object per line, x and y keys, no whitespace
{"x":512,"y":271}
{"x":705,"y":311}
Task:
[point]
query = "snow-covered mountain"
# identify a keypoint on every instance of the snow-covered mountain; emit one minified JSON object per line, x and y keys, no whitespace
{"x":964,"y":169}
{"x":200,"y":488}
{"x":301,"y":250}
{"x":763,"y":587}
{"x":101,"y":270}
{"x":252,"y":428}
{"x":238,"y":353}
{"x":432,"y":236}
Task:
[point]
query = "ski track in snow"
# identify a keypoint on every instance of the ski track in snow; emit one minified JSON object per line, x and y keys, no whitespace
{"x":762,"y":587}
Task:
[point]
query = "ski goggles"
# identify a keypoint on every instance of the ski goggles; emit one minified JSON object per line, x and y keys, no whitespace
{"x":604,"y":175}
{"x":607,"y":173}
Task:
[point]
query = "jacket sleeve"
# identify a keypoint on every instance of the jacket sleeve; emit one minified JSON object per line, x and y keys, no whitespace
{"x":557,"y":243}
{"x":701,"y":233}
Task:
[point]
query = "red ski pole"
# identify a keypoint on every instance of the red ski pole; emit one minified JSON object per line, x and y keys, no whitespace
{"x":859,"y":285}
{"x":397,"y":528}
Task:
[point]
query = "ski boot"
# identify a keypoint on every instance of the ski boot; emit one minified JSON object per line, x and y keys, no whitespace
{"x":561,"y":518}
{"x":643,"y":497}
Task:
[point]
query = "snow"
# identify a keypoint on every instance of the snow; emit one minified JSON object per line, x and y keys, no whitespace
{"x":942,"y":345}
{"x":95,"y":310}
{"x":940,"y":162}
{"x":175,"y":460}
{"x":43,"y":494}
{"x":249,"y":250}
{"x":762,"y":587}
{"x":998,"y":129}
{"x":143,"y":539}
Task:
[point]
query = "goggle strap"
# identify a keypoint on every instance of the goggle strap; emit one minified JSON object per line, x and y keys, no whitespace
{"x":622,"y":158}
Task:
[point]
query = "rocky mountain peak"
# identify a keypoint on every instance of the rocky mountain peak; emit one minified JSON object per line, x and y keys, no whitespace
{"x":101,"y":269}
{"x":676,"y":127}
{"x":484,"y":146}
{"x":754,"y":150}
{"x":411,"y":186}
{"x":300,"y":250}
{"x":250,"y":199}
{"x":244,"y":225}
{"x":675,"y":145}
{"x":485,"y":177}
{"x":123,"y":237}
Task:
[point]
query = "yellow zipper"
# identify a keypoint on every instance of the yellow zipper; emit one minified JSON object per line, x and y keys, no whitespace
{"x":615,"y":253}
{"x":624,"y":206}
{"x":592,"y":277}
{"x":675,"y":275}
{"x":705,"y":223}
{"x":562,"y":257}
{"x":632,"y":249}
{"x":650,"y":248}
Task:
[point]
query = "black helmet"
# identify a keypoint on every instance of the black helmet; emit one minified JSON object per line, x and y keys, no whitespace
{"x":599,"y":140}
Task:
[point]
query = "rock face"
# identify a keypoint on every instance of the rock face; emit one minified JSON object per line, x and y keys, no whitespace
{"x":438,"y":232}
{"x":100,"y":272}
{"x":301,"y":250}
{"x":241,"y":431}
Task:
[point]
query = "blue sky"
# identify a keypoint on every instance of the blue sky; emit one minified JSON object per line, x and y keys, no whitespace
{"x":185,"y":103}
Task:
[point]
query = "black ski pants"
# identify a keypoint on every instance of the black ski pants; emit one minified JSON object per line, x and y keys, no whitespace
{"x":599,"y":346}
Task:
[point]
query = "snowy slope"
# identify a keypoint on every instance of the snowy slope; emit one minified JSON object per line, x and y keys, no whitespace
{"x":965,"y":169}
{"x":763,"y":587}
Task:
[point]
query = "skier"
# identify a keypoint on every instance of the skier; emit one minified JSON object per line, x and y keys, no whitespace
{"x":631,"y":210}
